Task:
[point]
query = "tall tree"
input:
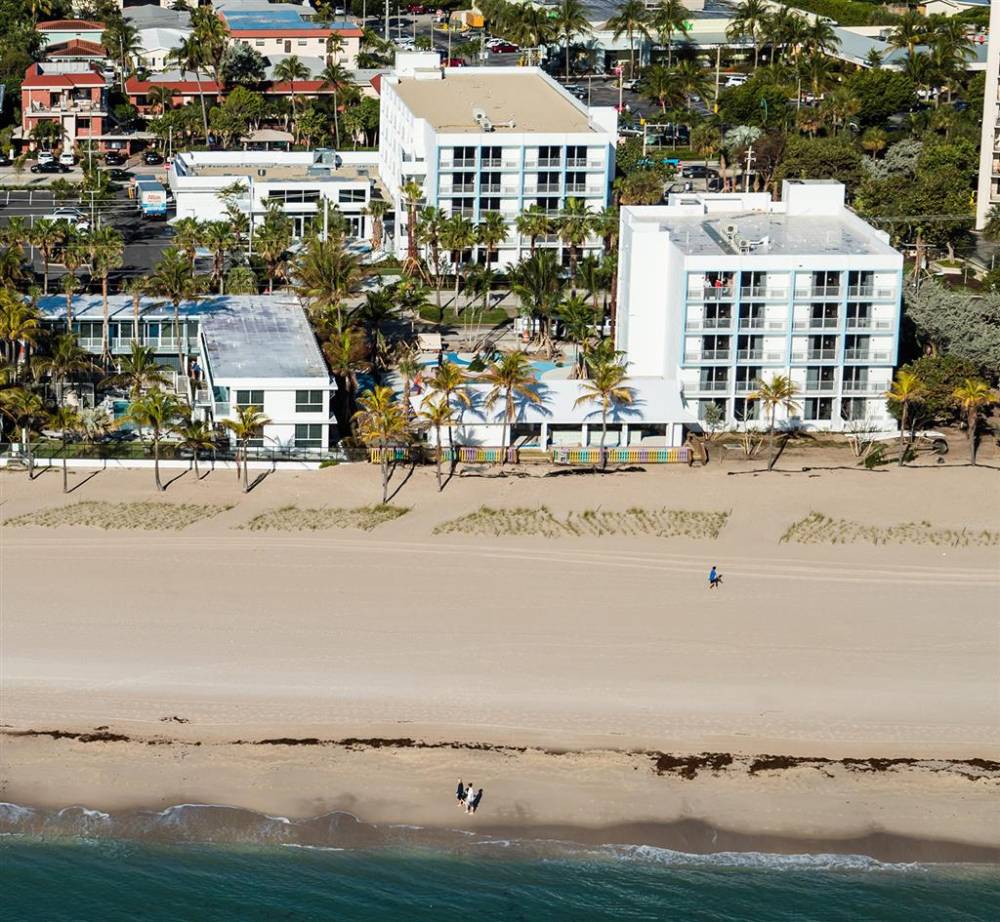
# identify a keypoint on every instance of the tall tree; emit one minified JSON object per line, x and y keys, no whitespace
{"x":631,"y":20}
{"x":172,"y":279}
{"x":437,"y":414}
{"x":906,"y":390}
{"x":138,"y":371}
{"x":190,"y":56}
{"x":289,"y":70}
{"x":669,"y":17}
{"x":106,"y":248}
{"x":324,"y":274}
{"x":248,"y":425}
{"x":511,"y":379}
{"x":66,"y":419}
{"x":65,"y":362}
{"x":973,"y":397}
{"x":748,"y":22}
{"x":607,"y":388}
{"x":780,"y":391}
{"x":450,"y":383}
{"x":574,"y":227}
{"x":570,"y":20}
{"x":458,"y":236}
{"x":159,"y":412}
{"x":533,"y":222}
{"x":412,"y":195}
{"x":381,"y":424}
{"x":218,"y":237}
{"x":46,"y":235}
{"x":335,"y":76}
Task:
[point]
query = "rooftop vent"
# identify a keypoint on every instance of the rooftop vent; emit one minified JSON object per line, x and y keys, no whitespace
{"x":481,"y":119}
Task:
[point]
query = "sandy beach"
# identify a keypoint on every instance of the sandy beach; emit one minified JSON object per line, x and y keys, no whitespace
{"x":573,"y":676}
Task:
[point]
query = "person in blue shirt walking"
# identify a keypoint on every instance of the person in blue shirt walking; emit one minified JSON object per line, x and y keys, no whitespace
{"x":714,"y":578}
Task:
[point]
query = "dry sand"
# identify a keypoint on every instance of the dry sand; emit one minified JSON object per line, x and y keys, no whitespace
{"x":594,"y":655}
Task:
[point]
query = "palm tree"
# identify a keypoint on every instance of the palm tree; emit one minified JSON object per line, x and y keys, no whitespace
{"x":606,"y":387}
{"x":24,"y":407}
{"x":533,"y":223}
{"x":973,"y":396}
{"x":747,"y":22}
{"x":271,"y":242}
{"x":692,"y":81}
{"x":46,"y":235}
{"x":661,"y":85}
{"x":491,"y":234}
{"x":191,"y":55}
{"x":136,"y":288}
{"x":196,"y":436}
{"x":570,"y":19}
{"x":376,"y":210}
{"x":11,"y":265}
{"x":213,"y":35}
{"x":345,"y":353}
{"x":579,"y":317}
{"x":458,"y":234}
{"x":910,"y":30}
{"x":592,"y":275}
{"x":289,"y":70}
{"x":218,"y":237}
{"x":875,"y":141}
{"x":907,"y":389}
{"x":66,"y":420}
{"x":248,"y":425}
{"x":172,"y":279}
{"x":630,"y":20}
{"x":412,"y":194}
{"x":159,"y":98}
{"x":780,"y":391}
{"x":66,"y":361}
{"x":538,"y":283}
{"x":409,"y":367}
{"x":16,"y":232}
{"x":437,"y":414}
{"x":188,"y":235}
{"x":819,"y":37}
{"x":335,"y":75}
{"x":70,"y":285}
{"x":430,"y":226}
{"x":20,"y":325}
{"x":158,"y":412}
{"x":574,"y":227}
{"x":511,"y":378}
{"x":138,"y":371}
{"x":378,"y":309}
{"x":106,"y":247}
{"x":670,"y":16}
{"x":449,"y":381}
{"x":381,"y":423}
{"x":324,"y":274}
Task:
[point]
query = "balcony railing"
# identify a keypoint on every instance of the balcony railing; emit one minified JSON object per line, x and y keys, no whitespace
{"x":816,"y":323}
{"x":863,"y":387}
{"x":745,"y":387}
{"x":68,"y":105}
{"x":760,"y":323}
{"x":221,"y":409}
{"x":710,"y":323}
{"x":461,"y":189}
{"x":818,"y":291}
{"x":707,"y":355}
{"x":459,"y":164}
{"x":821,"y":386}
{"x":493,"y":163}
{"x":821,"y":355}
{"x":870,"y":291}
{"x":723,"y":293}
{"x":546,"y":163}
{"x":712,"y":386}
{"x":582,"y":163}
{"x":865,"y":355}
{"x":746,"y":355}
{"x":868,"y":323}
{"x":581,"y":188}
{"x":757,"y":293}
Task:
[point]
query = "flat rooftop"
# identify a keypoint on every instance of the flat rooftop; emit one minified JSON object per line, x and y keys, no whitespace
{"x":785,"y":235}
{"x":528,"y":100}
{"x":275,"y":168}
{"x":246,"y":336}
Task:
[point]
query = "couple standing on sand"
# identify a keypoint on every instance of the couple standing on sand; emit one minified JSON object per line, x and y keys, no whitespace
{"x":468,"y":797}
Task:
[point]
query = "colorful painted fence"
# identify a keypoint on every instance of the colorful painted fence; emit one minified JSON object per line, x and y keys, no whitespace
{"x":474,"y":454}
{"x":635,"y":455}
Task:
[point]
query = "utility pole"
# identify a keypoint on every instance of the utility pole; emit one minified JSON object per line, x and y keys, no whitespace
{"x":385,"y":32}
{"x":749,"y":166}
{"x":718,"y":66}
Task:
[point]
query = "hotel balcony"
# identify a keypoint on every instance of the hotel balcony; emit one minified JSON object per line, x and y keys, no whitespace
{"x":723,"y":293}
{"x":817,"y":293}
{"x":815,"y":355}
{"x":579,"y":188}
{"x":69,"y":107}
{"x":709,"y":323}
{"x":581,"y":163}
{"x":711,"y":387}
{"x":872,"y":292}
{"x":868,"y":323}
{"x":759,"y":355}
{"x":492,"y":163}
{"x":496,"y":189}
{"x":816,"y":323}
{"x":762,"y":323}
{"x":459,"y":165}
{"x":461,"y":189}
{"x":545,"y":163}
{"x":755,"y":293}
{"x":708,"y":355}
{"x":866,"y":355}
{"x":864,"y":387}
{"x":822,"y":387}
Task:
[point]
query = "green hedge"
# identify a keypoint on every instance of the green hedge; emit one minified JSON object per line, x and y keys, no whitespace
{"x":848,"y":12}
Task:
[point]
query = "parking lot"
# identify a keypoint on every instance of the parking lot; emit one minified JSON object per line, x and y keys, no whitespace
{"x":145,"y":239}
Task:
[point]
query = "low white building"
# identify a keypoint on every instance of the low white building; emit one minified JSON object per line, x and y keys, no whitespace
{"x":299,"y":180}
{"x":496,"y":139}
{"x":157,"y":45}
{"x":720,"y":291}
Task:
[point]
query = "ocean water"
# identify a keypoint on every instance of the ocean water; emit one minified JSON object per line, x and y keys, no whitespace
{"x":66,"y":867}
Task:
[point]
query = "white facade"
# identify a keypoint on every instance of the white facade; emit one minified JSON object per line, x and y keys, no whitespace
{"x":989,"y":151}
{"x":157,"y":44}
{"x":723,"y":290}
{"x":300,"y":180}
{"x":471,"y":165}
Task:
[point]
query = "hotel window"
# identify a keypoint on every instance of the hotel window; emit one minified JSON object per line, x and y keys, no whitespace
{"x":351,"y":195}
{"x":488,"y":204}
{"x":309,"y":435}
{"x":83,"y":123}
{"x":259,"y":44}
{"x":745,"y":409}
{"x":463,"y":156}
{"x":253,"y":399}
{"x":308,"y":401}
{"x":576,"y":155}
{"x":549,"y":156}
{"x":302,"y":43}
{"x":819,"y":408}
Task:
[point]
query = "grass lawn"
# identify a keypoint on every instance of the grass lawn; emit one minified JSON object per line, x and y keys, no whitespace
{"x":464,"y":316}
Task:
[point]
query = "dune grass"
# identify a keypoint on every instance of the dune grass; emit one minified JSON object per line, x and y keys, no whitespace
{"x":292,"y":518}
{"x":109,"y":516}
{"x":817,"y":528}
{"x":539,"y":520}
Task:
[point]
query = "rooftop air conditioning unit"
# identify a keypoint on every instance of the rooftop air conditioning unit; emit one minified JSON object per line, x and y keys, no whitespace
{"x":481,"y":119}
{"x":730,"y":230}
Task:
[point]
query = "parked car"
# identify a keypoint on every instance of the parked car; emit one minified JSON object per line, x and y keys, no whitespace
{"x":118,"y":175}
{"x":45,"y":156}
{"x":503,"y":48}
{"x":114,"y":158}
{"x":152,"y":158}
{"x":76,"y":219}
{"x":735,"y":80}
{"x":455,"y":62}
{"x":51,"y":166}
{"x":67,"y":159}
{"x":714,"y":184}
{"x":5,"y":160}
{"x":698,"y":171}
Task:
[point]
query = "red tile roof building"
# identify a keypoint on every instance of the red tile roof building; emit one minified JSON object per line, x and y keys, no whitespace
{"x":72,"y":93}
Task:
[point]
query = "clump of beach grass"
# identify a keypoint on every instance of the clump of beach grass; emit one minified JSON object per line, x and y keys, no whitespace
{"x":817,"y":528}
{"x":292,"y":518}
{"x":540,"y":521}
{"x":109,"y":516}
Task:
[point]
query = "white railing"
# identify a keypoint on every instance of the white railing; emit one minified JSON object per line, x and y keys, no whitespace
{"x":868,"y":323}
{"x":723,"y":293}
{"x":712,"y":386}
{"x":707,"y":355}
{"x":755,"y":293}
{"x":818,"y":291}
{"x":816,"y":323}
{"x":711,"y":323}
{"x":870,"y":291}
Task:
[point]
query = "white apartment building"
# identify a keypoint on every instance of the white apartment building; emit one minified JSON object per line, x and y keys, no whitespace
{"x":989,"y":151}
{"x":299,"y":180}
{"x":496,"y":139}
{"x":719,"y":291}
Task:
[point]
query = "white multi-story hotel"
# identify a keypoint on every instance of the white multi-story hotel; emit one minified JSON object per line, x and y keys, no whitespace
{"x":496,"y":139}
{"x":989,"y":151}
{"x":719,"y":291}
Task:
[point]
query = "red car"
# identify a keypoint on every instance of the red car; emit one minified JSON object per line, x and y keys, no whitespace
{"x":503,"y":48}
{"x":455,"y":62}
{"x":417,"y":9}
